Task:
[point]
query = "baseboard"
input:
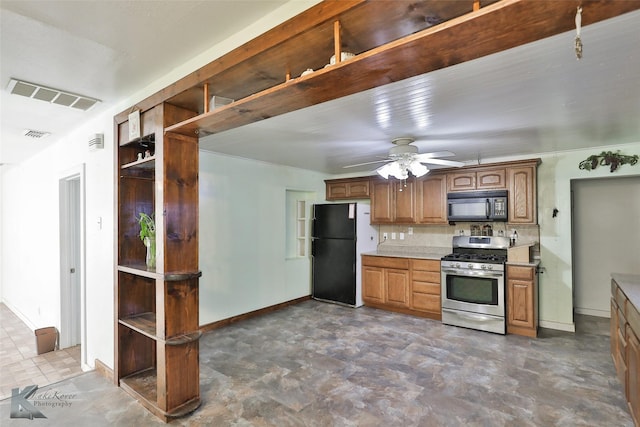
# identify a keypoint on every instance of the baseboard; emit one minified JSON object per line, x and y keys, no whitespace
{"x":593,"y":312}
{"x":18,"y":314}
{"x":104,"y":371}
{"x":224,"y":322}
{"x":568,"y":327}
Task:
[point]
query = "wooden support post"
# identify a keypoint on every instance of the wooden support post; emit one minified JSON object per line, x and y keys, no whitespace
{"x":206,"y":98}
{"x":337,"y":43}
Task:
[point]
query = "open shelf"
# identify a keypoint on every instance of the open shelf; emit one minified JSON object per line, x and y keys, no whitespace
{"x":144,"y":323}
{"x":145,"y":163}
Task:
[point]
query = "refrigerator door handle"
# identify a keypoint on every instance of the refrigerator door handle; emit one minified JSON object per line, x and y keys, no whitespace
{"x":313,"y":246}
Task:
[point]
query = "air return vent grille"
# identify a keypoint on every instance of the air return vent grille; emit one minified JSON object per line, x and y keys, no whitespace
{"x":35,"y":133}
{"x":54,"y":96}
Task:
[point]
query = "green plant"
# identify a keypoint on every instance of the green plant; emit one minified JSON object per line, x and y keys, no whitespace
{"x":147,"y":226}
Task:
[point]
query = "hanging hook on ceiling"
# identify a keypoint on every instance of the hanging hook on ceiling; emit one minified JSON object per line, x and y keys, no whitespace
{"x":578,"y":40}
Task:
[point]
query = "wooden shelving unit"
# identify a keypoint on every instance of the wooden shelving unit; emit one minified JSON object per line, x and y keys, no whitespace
{"x":157,"y":324}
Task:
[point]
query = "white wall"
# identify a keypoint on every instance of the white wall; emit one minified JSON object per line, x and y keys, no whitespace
{"x":29,"y":266}
{"x":606,"y":238}
{"x":242,"y":235}
{"x":554,"y":191}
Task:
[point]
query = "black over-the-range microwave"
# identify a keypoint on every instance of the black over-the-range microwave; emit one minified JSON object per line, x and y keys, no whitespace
{"x":477,"y":206}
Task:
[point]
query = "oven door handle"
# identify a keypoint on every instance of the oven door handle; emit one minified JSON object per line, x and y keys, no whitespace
{"x":473,"y":273}
{"x":474,"y":316}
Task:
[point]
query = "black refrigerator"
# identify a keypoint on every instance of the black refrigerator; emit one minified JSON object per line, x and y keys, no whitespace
{"x":341,"y":232}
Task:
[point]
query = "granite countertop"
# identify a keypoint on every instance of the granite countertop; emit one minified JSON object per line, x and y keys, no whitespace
{"x":630,"y":285}
{"x":410,"y":252}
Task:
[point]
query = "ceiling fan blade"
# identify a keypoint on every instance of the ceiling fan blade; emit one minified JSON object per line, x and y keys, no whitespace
{"x":367,"y":163}
{"x":442,"y":162}
{"x":434,"y":154}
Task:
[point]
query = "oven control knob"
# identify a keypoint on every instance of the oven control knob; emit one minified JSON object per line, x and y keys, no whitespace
{"x":457,"y":265}
{"x":484,"y":267}
{"x":490,"y":267}
{"x":470,"y":265}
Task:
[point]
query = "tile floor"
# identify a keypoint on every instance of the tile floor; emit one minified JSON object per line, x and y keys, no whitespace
{"x":317,"y":364}
{"x":20,"y":365}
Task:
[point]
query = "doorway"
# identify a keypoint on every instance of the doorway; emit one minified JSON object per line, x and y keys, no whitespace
{"x":72,"y":262}
{"x":605,"y":229}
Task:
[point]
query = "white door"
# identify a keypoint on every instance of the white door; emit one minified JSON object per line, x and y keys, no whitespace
{"x":606,"y":238}
{"x":70,"y":263}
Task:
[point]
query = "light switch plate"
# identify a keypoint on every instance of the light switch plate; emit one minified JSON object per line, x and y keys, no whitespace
{"x":393,"y":236}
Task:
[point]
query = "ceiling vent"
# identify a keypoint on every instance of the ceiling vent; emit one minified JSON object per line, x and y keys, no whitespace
{"x":53,"y":96}
{"x":96,"y":142}
{"x":37,"y":134}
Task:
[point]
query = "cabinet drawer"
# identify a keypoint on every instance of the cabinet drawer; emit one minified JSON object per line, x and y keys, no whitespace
{"x":633,"y":318}
{"x":426,"y":276}
{"x":621,"y":300}
{"x":426,"y":302}
{"x":521,"y":273}
{"x":426,"y":265}
{"x":426,"y":287}
{"x":385,"y":262}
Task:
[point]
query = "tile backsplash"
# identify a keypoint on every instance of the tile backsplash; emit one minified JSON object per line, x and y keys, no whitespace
{"x":440,"y":235}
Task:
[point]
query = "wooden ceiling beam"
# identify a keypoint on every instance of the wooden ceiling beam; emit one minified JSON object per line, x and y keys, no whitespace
{"x":492,"y":29}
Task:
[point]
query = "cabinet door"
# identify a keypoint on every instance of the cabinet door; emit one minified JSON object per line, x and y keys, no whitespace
{"x":522,"y":191}
{"x":520,"y":303}
{"x":432,"y":200}
{"x":343,"y":189}
{"x":613,"y":332}
{"x":358,"y":189}
{"x":397,"y":287}
{"x":373,"y":284}
{"x":336,"y":190}
{"x":633,"y":373}
{"x":405,"y":201}
{"x":491,"y":179}
{"x":382,"y":202}
{"x":461,"y":181}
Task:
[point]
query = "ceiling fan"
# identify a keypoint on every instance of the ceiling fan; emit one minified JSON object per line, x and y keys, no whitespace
{"x":404,"y":158}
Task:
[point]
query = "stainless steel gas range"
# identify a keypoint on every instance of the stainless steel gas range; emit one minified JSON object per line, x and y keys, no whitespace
{"x":473,"y":285}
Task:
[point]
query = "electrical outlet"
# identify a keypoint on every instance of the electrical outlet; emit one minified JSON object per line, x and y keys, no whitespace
{"x":393,"y":236}
{"x":385,"y":236}
{"x":401,"y":236}
{"x":409,"y":231}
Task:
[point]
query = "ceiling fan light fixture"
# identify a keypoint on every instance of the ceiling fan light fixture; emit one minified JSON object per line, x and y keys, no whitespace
{"x":418,"y":169}
{"x":395,"y":169}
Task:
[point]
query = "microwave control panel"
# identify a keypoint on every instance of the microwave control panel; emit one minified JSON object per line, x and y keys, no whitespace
{"x":500,"y":207}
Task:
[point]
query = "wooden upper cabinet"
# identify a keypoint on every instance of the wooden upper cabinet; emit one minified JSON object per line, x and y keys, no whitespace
{"x":522,"y":194}
{"x":491,"y":179}
{"x":461,"y":181}
{"x":382,"y":202}
{"x":431,"y":199}
{"x":352,"y":188}
{"x":393,"y":201}
{"x":405,"y":200}
{"x":487,"y":179}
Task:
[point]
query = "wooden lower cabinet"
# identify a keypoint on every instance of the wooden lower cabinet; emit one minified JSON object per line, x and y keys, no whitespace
{"x":625,"y":347}
{"x":425,"y":287}
{"x":385,"y":281}
{"x":633,"y":373}
{"x":404,"y":285}
{"x":522,"y":300}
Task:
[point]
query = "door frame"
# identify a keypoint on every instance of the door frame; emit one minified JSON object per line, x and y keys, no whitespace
{"x":66,"y":315}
